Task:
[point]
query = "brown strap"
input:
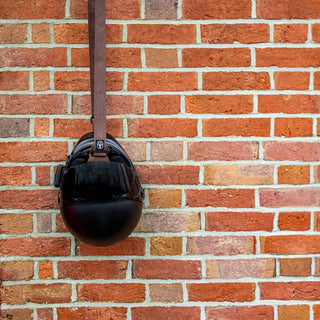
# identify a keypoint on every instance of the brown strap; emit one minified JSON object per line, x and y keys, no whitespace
{"x":97,"y":53}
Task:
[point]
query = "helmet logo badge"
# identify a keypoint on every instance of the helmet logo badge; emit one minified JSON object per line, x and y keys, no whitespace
{"x":100,"y":144}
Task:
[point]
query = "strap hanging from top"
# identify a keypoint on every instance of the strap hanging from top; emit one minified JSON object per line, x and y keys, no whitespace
{"x":97,"y":54}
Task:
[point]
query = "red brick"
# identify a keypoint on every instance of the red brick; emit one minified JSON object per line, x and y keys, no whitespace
{"x":164,"y":313}
{"x":29,"y":9}
{"x":303,"y":151}
{"x":293,"y":174}
{"x":115,"y":104}
{"x":161,"y":58}
{"x":221,"y":9}
{"x":41,"y":127}
{"x":80,"y":81}
{"x":316,"y":80}
{"x":25,"y":314}
{"x":37,"y":293}
{"x":294,"y":244}
{"x":294,"y":33}
{"x":236,"y":127}
{"x":44,"y":220}
{"x":46,"y":270}
{"x":212,"y":57}
{"x":294,"y":221}
{"x":166,"y":150}
{"x":219,"y":292}
{"x":129,"y":246}
{"x":290,"y":290}
{"x":161,"y":33}
{"x":288,"y":104}
{"x":167,"y":269}
{"x":87,"y":313}
{"x":166,"y":292}
{"x":13,"y":33}
{"x":236,"y":81}
{"x":304,"y":9}
{"x":16,"y":270}
{"x":35,"y":247}
{"x":41,"y":80}
{"x":115,"y":57}
{"x":288,"y":57}
{"x":315,"y":29}
{"x":299,"y":312}
{"x":16,"y":223}
{"x":169,"y":222}
{"x":168,"y":174}
{"x":295,"y":267}
{"x":161,"y":9}
{"x":45,"y":314}
{"x":239,"y":221}
{"x":14,"y":127}
{"x":230,"y":33}
{"x":135,"y":149}
{"x":34,"y":104}
{"x":33,"y":151}
{"x":165,"y":246}
{"x":113,"y":292}
{"x":163,"y":104}
{"x":43,"y":176}
{"x":79,"y":127}
{"x":119,"y":9}
{"x":41,"y":33}
{"x":162,"y":81}
{"x":241,"y":268}
{"x":86,"y":269}
{"x":14,"y":80}
{"x":291,"y":80}
{"x":240,"y":313}
{"x":221,"y":245}
{"x":158,"y":128}
{"x":37,"y":57}
{"x":233,"y":104}
{"x":222,"y":150}
{"x":15,"y":176}
{"x":165,"y":198}
{"x":229,"y":198}
{"x":317,"y":221}
{"x":293,"y":127}
{"x":316,"y":312}
{"x":71,"y":33}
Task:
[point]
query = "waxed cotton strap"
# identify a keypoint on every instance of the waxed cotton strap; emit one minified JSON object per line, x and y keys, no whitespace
{"x":97,"y":53}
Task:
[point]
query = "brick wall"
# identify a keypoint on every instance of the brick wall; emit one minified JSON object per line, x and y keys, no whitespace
{"x":216,"y":101}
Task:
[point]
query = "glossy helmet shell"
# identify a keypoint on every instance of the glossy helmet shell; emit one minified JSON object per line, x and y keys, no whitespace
{"x":100,"y":202}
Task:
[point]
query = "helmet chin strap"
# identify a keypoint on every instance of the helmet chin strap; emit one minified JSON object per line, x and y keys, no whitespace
{"x":97,"y":54}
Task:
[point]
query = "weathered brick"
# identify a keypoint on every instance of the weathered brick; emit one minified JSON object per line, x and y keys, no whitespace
{"x":165,"y":246}
{"x":41,"y":33}
{"x":25,"y":314}
{"x":239,"y":221}
{"x":293,"y":244}
{"x":236,"y":81}
{"x":38,"y":293}
{"x":228,"y":104}
{"x":222,"y":150}
{"x":241,"y":268}
{"x":294,"y":221}
{"x":29,"y":9}
{"x":164,"y":104}
{"x":162,"y":81}
{"x":35,"y":247}
{"x":231,"y":33}
{"x":14,"y":80}
{"x":45,"y":270}
{"x":41,"y":80}
{"x":161,"y":33}
{"x":13,"y":33}
{"x":299,"y":312}
{"x":293,"y":174}
{"x":169,"y":222}
{"x":293,"y":127}
{"x":167,"y":269}
{"x":166,"y":292}
{"x":219,"y":292}
{"x":161,"y":58}
{"x":304,"y":290}
{"x":212,"y":57}
{"x":240,"y":313}
{"x":221,"y":9}
{"x":44,"y":222}
{"x":294,"y":33}
{"x":86,"y":269}
{"x":43,"y":176}
{"x":45,"y":314}
{"x":114,"y":292}
{"x":291,"y":80}
{"x":166,"y":150}
{"x":230,"y":198}
{"x":16,"y":270}
{"x":97,"y":313}
{"x":161,"y":9}
{"x":12,"y":128}
{"x":221,"y":245}
{"x":220,"y":127}
{"x":11,"y":223}
{"x":163,"y":313}
{"x":15,"y":176}
{"x":295,"y":267}
{"x":164,"y":198}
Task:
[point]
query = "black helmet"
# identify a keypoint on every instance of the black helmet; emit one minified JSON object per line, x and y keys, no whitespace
{"x":100,"y":201}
